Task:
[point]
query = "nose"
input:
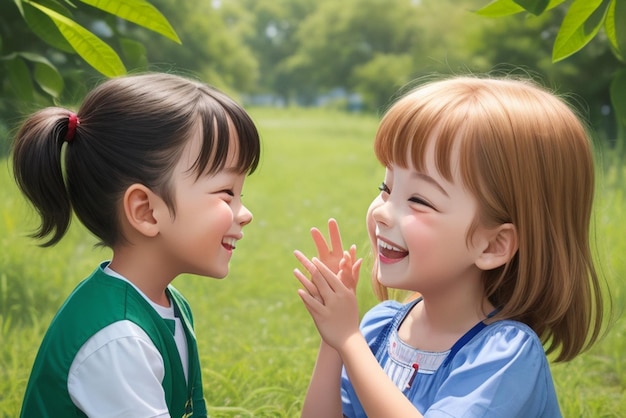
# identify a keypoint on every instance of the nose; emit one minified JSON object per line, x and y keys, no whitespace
{"x":244,"y":216}
{"x":369,"y":219}
{"x":378,"y":213}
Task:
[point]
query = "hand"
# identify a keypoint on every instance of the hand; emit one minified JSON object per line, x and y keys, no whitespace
{"x":331,"y":304}
{"x":348,"y":272}
{"x":333,"y":255}
{"x":330,"y":255}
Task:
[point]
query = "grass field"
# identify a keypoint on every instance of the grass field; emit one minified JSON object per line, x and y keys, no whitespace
{"x":257,"y":343}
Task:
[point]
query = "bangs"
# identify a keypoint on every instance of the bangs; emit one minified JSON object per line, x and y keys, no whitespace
{"x":408,"y":128}
{"x":221,"y":119}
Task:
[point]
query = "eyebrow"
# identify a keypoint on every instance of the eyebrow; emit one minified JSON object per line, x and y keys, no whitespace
{"x":430,"y":180}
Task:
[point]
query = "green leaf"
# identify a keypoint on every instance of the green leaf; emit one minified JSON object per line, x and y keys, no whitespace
{"x":49,"y":79}
{"x":609,"y":26}
{"x":91,"y":48}
{"x":535,"y":7}
{"x":134,"y":53}
{"x":137,"y":11}
{"x":44,"y":28}
{"x":620,"y":27}
{"x":581,"y":23}
{"x":18,"y":3}
{"x":46,"y":75}
{"x":500,"y":8}
{"x":19,"y":78}
{"x":618,"y":96}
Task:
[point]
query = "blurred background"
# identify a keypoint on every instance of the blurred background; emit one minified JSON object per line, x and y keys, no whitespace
{"x":316,"y":75}
{"x":352,"y":55}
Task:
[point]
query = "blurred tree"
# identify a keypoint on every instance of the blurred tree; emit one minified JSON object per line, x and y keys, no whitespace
{"x":376,"y":47}
{"x":269,"y":28}
{"x":212,"y":33}
{"x":340,"y":37}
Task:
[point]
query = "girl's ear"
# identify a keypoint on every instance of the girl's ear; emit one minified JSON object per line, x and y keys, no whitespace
{"x":139,"y":205}
{"x":501,"y":248}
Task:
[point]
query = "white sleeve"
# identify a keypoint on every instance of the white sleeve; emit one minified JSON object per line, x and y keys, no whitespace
{"x":118,"y":373}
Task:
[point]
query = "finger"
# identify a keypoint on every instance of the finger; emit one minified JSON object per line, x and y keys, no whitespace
{"x":353,"y":252}
{"x":321,"y":277}
{"x":306,"y":263}
{"x":350,"y":270}
{"x":356,"y":270}
{"x":330,"y":279}
{"x":308,"y":285}
{"x":346,"y":261}
{"x":335,"y":235}
{"x":311,"y":304}
{"x":320,"y":243}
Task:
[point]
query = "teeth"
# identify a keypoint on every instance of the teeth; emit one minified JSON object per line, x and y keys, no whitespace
{"x":383,"y":244}
{"x":230,"y":241}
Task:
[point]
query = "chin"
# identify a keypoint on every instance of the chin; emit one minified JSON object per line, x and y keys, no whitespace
{"x":382,"y":281}
{"x":219,"y":275}
{"x":389,"y":283}
{"x":212,"y":273}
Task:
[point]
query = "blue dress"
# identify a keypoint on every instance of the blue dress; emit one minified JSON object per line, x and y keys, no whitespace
{"x":496,"y":370}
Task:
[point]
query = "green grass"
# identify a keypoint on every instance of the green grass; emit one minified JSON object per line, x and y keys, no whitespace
{"x":257,"y":343}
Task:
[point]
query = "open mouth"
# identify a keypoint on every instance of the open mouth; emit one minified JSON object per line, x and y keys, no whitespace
{"x":390,"y":253}
{"x":229,"y":243}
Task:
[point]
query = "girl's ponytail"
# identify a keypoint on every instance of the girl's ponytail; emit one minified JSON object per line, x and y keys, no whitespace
{"x":38,"y":169}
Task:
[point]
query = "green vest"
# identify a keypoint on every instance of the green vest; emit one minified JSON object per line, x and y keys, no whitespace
{"x":97,"y":302}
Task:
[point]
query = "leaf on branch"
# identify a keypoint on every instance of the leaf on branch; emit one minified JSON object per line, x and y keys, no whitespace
{"x":535,"y":7}
{"x":91,"y":48}
{"x":137,"y":11}
{"x":618,"y":98}
{"x":46,"y":75}
{"x":499,"y":8}
{"x":619,"y":20}
{"x":134,"y":53}
{"x":581,"y":23}
{"x":19,"y":78}
{"x":44,"y":28}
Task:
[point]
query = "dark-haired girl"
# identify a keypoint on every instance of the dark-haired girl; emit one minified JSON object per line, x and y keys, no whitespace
{"x":153,"y":165}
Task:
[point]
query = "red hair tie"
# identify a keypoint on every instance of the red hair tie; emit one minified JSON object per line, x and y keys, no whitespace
{"x":71,"y":127}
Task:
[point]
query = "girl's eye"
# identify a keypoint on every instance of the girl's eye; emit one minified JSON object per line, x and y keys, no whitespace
{"x":228,"y":192}
{"x":422,"y":202}
{"x":384,"y":188}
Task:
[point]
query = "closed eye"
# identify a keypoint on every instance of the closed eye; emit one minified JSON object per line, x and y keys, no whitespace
{"x":229,"y":192}
{"x":422,"y":202}
{"x":384,"y":188}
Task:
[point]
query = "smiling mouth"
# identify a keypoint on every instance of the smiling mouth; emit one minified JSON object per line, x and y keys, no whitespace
{"x":389,"y":253}
{"x":229,"y":243}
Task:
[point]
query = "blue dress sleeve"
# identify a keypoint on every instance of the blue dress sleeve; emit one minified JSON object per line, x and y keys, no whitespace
{"x":372,"y":324}
{"x":502,"y":373}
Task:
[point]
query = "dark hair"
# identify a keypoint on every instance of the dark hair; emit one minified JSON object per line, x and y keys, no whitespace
{"x":131,"y":129}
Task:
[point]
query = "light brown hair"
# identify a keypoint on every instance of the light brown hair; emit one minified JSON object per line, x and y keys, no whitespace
{"x":527,"y":159}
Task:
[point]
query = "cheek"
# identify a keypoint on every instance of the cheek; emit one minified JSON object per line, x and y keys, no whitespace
{"x":224,"y":215}
{"x":424,"y":238}
{"x":370,"y":222}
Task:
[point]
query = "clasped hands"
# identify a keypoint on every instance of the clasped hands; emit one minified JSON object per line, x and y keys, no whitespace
{"x":330,"y":293}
